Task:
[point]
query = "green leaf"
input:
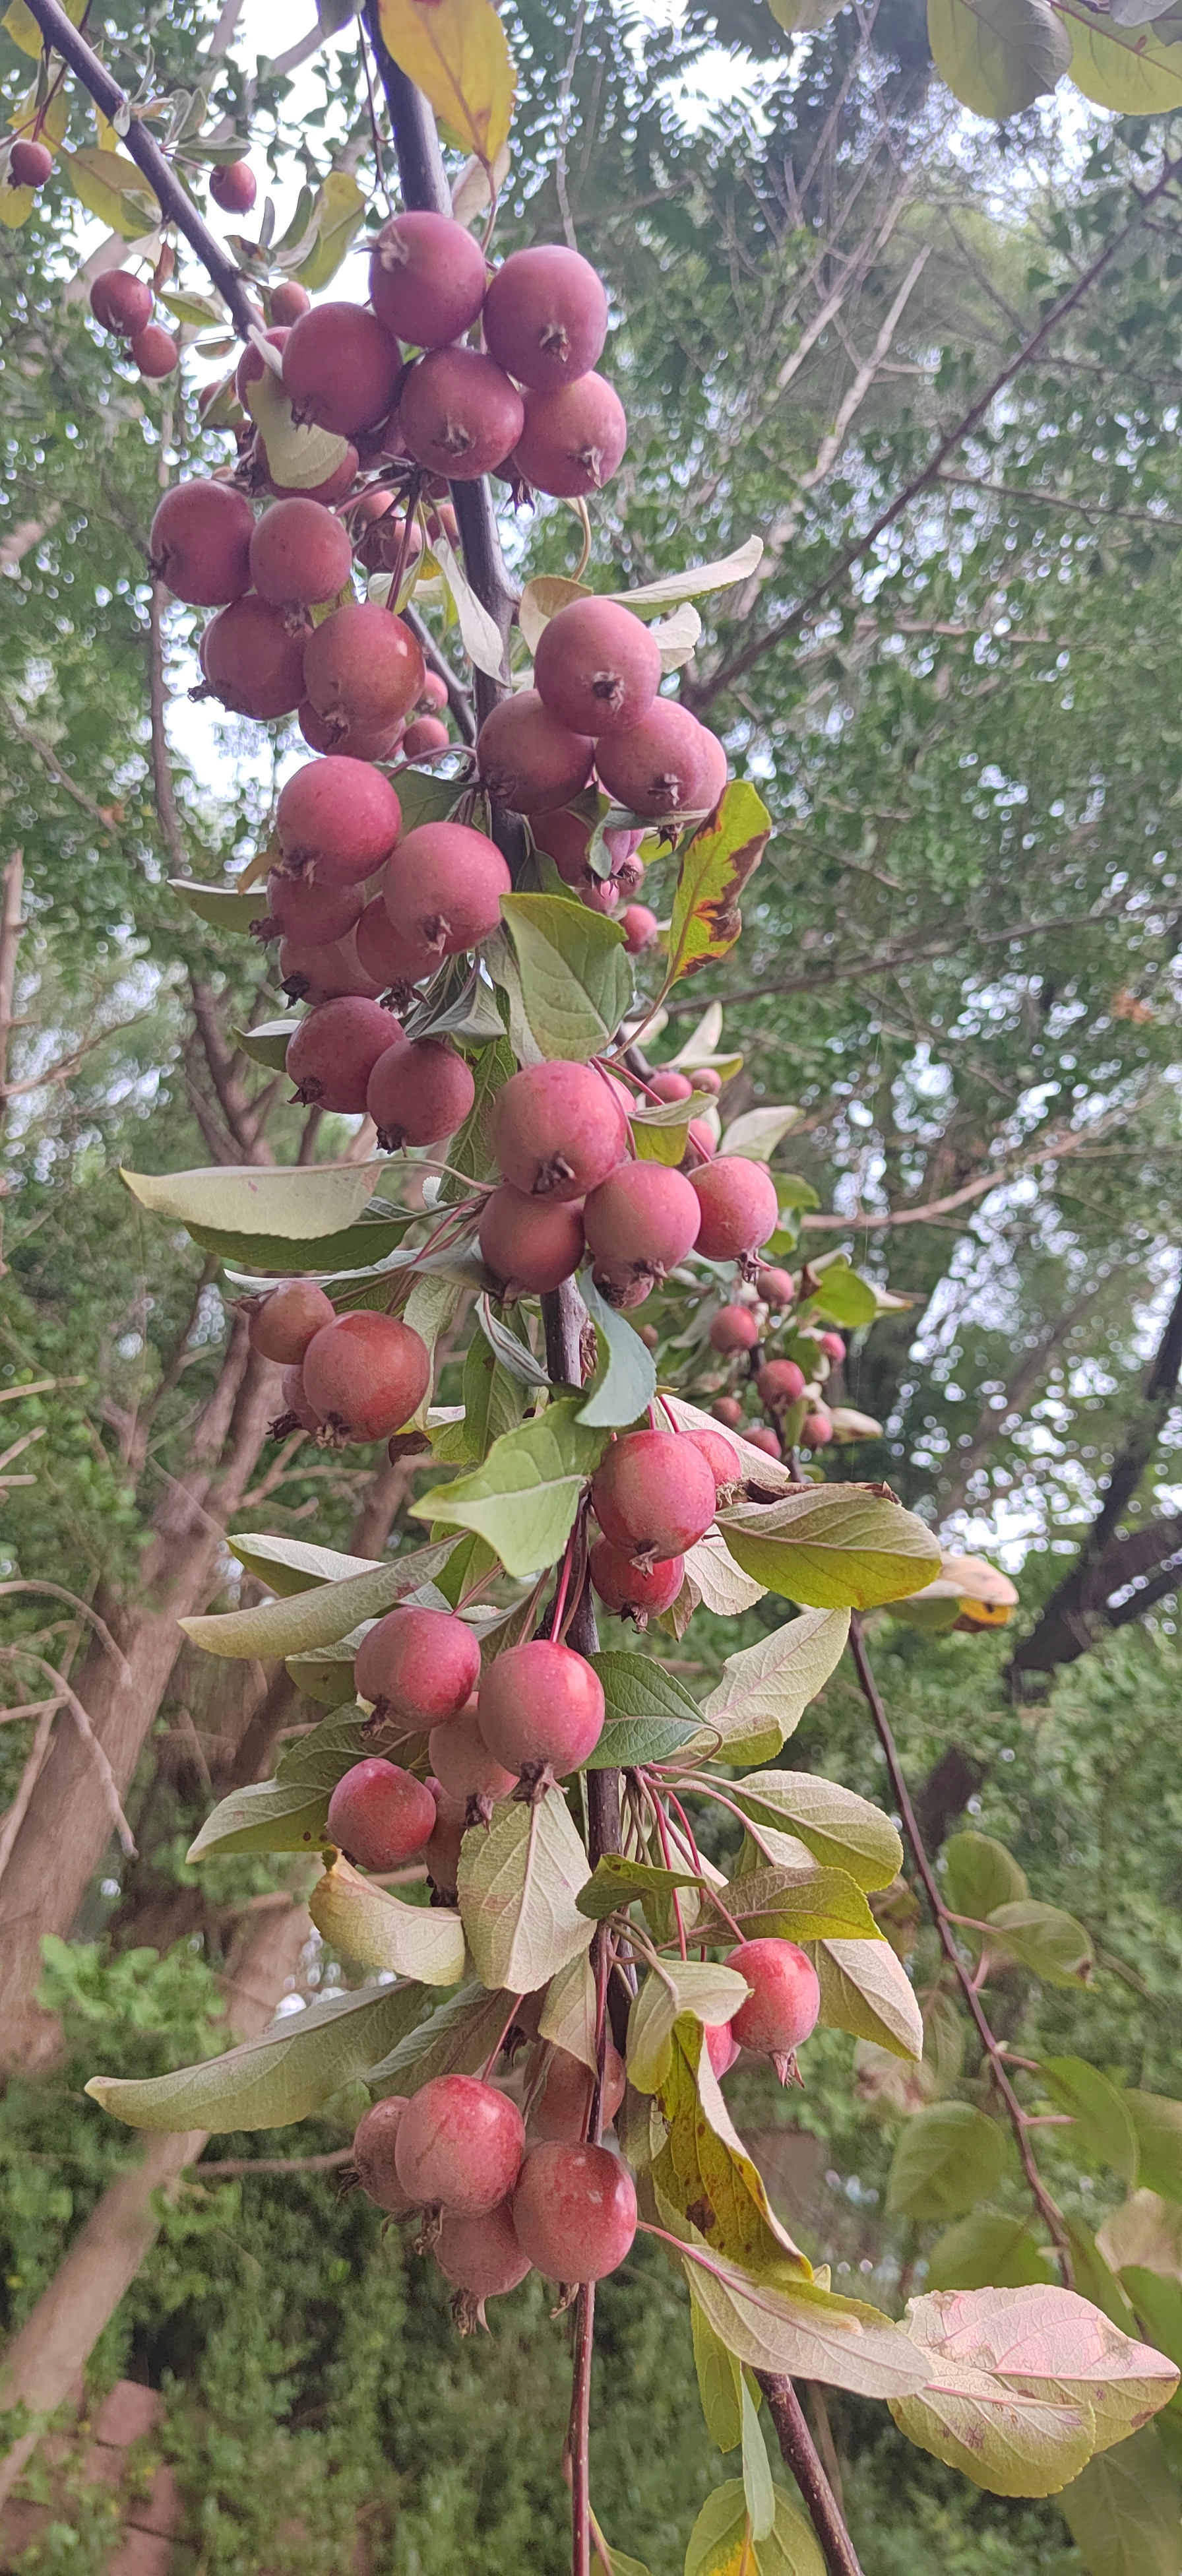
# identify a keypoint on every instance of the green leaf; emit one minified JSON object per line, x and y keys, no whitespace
{"x":1026,"y":2384}
{"x":839,"y":1828}
{"x":510,"y":1346}
{"x":576,"y":976}
{"x":794,"y":2326}
{"x":625,"y":1381}
{"x":714,"y":870}
{"x":494,"y":1400}
{"x":1126,"y":68}
{"x":456,"y":2039}
{"x":270,"y":2082}
{"x":524,"y":1497}
{"x":1048,"y":1942}
{"x":704,"y":2172}
{"x":268,"y":1043}
{"x":718,"y":2543}
{"x":380,"y":1930}
{"x":518,"y":1881}
{"x":801,"y":1905}
{"x":293,"y":1202}
{"x":269,"y":1816}
{"x":946,"y":2158}
{"x":320,"y":1616}
{"x":757,"y":2476}
{"x":997,"y":56}
{"x":353,"y":1253}
{"x":570,"y":2014}
{"x":844,"y":1298}
{"x":327,"y":1675}
{"x":1122,"y":2511}
{"x":711,"y":1993}
{"x":1101,"y":2113}
{"x":225,"y":908}
{"x":1158,"y":2123}
{"x":987,"y":2251}
{"x":865,"y":1989}
{"x":616,"y":1882}
{"x":981,"y":1875}
{"x":766,"y":1688}
{"x":470,"y":1152}
{"x":112,"y":187}
{"x":719,"y":2382}
{"x":1158,"y":2303}
{"x":289,"y":1565}
{"x":700,"y":578}
{"x":338,"y":210}
{"x":650,"y":1714}
{"x":834,"y":1547}
{"x":758,"y":1132}
{"x":319,"y":1760}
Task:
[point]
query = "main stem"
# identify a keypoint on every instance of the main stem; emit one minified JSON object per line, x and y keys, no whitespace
{"x":947,"y":1934}
{"x":802,"y":2457}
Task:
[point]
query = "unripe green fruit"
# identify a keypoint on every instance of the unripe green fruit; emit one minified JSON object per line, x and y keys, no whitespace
{"x":253,"y":660}
{"x":816,"y":1431}
{"x":340,"y":368}
{"x":563,"y":2107}
{"x":380,"y":1814}
{"x":338,"y":818}
{"x":373,"y":2155}
{"x":664,"y":766}
{"x":733,"y":1328}
{"x":779,"y":1383}
{"x":391,"y":961}
{"x":426,"y":279}
{"x":233,"y":187}
{"x":418,"y":1665}
{"x":366,"y":1374}
{"x":443,"y":887}
{"x":540,"y":1706}
{"x":332,"y":1053}
{"x":574,"y":2210}
{"x":776,"y":1288}
{"x":527,"y":759}
{"x":462,"y":1763}
{"x":739,"y":1207}
{"x":641,"y":929}
{"x":638,"y":1593}
{"x":154,"y":351}
{"x":653,"y":1492}
{"x":531,"y":1245}
{"x":781,"y":2011}
{"x":597,"y":666}
{"x":312,"y":910}
{"x":545,"y":316}
{"x":762,"y":1436}
{"x":123,"y":304}
{"x":557,"y":1130}
{"x":729,"y":1410}
{"x":300,"y":555}
{"x":419,"y":1093}
{"x":459,"y":413}
{"x":459,"y":2146}
{"x":363,"y":666}
{"x":287,"y":1319}
{"x":200,"y":540}
{"x":425,"y":735}
{"x":481,"y":2256}
{"x":640,"y":1223}
{"x":721,"y":1456}
{"x":572,"y":439}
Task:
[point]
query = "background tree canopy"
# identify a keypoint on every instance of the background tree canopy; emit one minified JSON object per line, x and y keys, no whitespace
{"x":935,"y":366}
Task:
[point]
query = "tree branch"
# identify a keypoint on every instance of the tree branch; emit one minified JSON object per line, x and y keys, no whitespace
{"x":802,"y":2457}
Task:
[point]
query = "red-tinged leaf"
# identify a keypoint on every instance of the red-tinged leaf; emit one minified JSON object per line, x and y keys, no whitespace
{"x":706,"y":920}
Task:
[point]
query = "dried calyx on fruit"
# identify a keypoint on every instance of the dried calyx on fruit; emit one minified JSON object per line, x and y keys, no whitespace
{"x":653,"y":1494}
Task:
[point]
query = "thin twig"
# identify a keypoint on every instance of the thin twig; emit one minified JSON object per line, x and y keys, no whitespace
{"x":802,"y":2457}
{"x":28,"y":1782}
{"x":231,"y":2168}
{"x":94,"y":1748}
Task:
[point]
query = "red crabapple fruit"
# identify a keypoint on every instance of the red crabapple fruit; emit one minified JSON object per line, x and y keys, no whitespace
{"x":597,"y":666}
{"x":574,"y":2210}
{"x":444,"y":885}
{"x":557,"y":1130}
{"x":762,"y":1436}
{"x":252,"y":366}
{"x":340,"y":368}
{"x":418,"y":1665}
{"x":338,"y":818}
{"x":300,"y":554}
{"x":365,"y":1374}
{"x":699,"y":1145}
{"x":722,"y":2048}
{"x":333,"y":488}
{"x":441,"y":1851}
{"x":433,"y":694}
{"x":296,"y":1405}
{"x":419,"y":1093}
{"x":776,"y":1288}
{"x":253,"y":660}
{"x":199,"y":544}
{"x":362,"y":666}
{"x":379,"y":1814}
{"x":721,"y":1456}
{"x":640,"y":1223}
{"x":426,"y":279}
{"x":545,"y":316}
{"x":233,"y":187}
{"x":833,"y":1347}
{"x":288,"y":301}
{"x":641,"y":929}
{"x":332,"y":1053}
{"x":287,"y":1319}
{"x":121,"y":302}
{"x":541,"y":1707}
{"x":653,"y":1492}
{"x":635,"y":1592}
{"x":573,"y":438}
{"x":391,"y":961}
{"x":459,"y":413}
{"x":154,"y":351}
{"x":531,"y":1245}
{"x":380,"y":741}
{"x":663,"y":765}
{"x":29,"y":165}
{"x":462,"y":1764}
{"x":373,"y":2155}
{"x":729,"y":1411}
{"x":527,"y":759}
{"x":733,"y":1328}
{"x":781,"y":2010}
{"x":459,"y":2146}
{"x":424,"y":736}
{"x":563,"y":2107}
{"x":481,"y":2258}
{"x":668,"y":1084}
{"x":780,"y":1382}
{"x":739,"y":1207}
{"x":816,"y":1430}
{"x":308,"y":909}
{"x":322,"y":973}
{"x":706,"y":1078}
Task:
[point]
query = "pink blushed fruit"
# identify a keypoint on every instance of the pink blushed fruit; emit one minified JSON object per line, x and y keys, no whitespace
{"x":29,"y":164}
{"x":540,"y":1707}
{"x":300,"y":554}
{"x":287,"y":1320}
{"x":739,"y":1207}
{"x":722,"y":2048}
{"x":288,"y":301}
{"x":776,"y":1288}
{"x":337,"y":817}
{"x":295,"y":1402}
{"x":574,"y":2210}
{"x":664,"y":766}
{"x":545,"y":316}
{"x":573,"y":438}
{"x":563,"y":2106}
{"x":444,"y":886}
{"x":459,"y":413}
{"x":362,"y":666}
{"x":365,"y":1374}
{"x":527,"y":759}
{"x":373,"y":2155}
{"x":122,"y":303}
{"x":653,"y":1492}
{"x":732,"y":1329}
{"x":462,"y":1763}
{"x":459,"y":2146}
{"x":425,"y":735}
{"x":481,"y":2258}
{"x":833,"y":1347}
{"x":721,"y":1456}
{"x":597,"y":667}
{"x":762,"y":1436}
{"x":391,"y":961}
{"x":728,"y":1410}
{"x":426,"y":279}
{"x":668,"y":1084}
{"x":779,"y":1383}
{"x":334,"y":734}
{"x":418,"y":1665}
{"x":419,"y":1093}
{"x":379,"y":1814}
{"x":557,"y":1130}
{"x":531,"y":1245}
{"x":233,"y":187}
{"x":322,"y":973}
{"x":332,"y":1053}
{"x":641,"y":929}
{"x":785,"y":1999}
{"x":309,"y":909}
{"x":816,"y":1431}
{"x":635,"y":1592}
{"x":640,"y":1223}
{"x":199,"y":545}
{"x":253,"y":660}
{"x":341,"y":368}
{"x":154,"y":351}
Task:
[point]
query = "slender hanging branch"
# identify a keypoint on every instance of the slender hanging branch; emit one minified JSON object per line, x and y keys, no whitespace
{"x":802,"y":2457}
{"x":175,"y":202}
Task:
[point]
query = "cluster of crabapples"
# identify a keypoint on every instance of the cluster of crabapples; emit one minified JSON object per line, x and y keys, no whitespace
{"x":736,"y":1332}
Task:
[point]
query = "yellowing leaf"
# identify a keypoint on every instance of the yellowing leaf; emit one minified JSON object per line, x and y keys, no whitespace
{"x":338,"y":211}
{"x":111,"y":187}
{"x":1026,"y":2384}
{"x":997,"y":55}
{"x":19,"y":23}
{"x":381,"y":1930}
{"x":706,"y":919}
{"x":457,"y":53}
{"x":1126,"y":68}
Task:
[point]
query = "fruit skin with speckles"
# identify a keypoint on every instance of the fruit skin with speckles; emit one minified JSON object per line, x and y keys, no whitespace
{"x":338,"y":818}
{"x":528,"y":760}
{"x":322,"y":972}
{"x":557,"y":1130}
{"x":572,"y":439}
{"x":365,"y":1375}
{"x":666,"y":765}
{"x":653,"y":1492}
{"x":300,"y":554}
{"x":380,"y":1814}
{"x":311,"y":909}
{"x":545,"y":316}
{"x":444,"y":885}
{"x":462,"y":1763}
{"x":373,"y":2155}
{"x":340,"y":368}
{"x":287,"y":1320}
{"x":635,"y":1592}
{"x":564,"y":2103}
{"x":362,"y":667}
{"x":739,"y":1207}
{"x":459,"y":413}
{"x":640,"y":1223}
{"x":387,"y":958}
{"x":419,"y":1093}
{"x":540,"y":1707}
{"x":459,"y":2146}
{"x":733,"y":1328}
{"x":427,"y":278}
{"x":597,"y":667}
{"x":574,"y":2210}
{"x":780,"y":1382}
{"x":252,"y":659}
{"x":531,"y":1245}
{"x":200,"y":539}
{"x":418,"y":1665}
{"x":721,"y":1456}
{"x":331,"y":1055}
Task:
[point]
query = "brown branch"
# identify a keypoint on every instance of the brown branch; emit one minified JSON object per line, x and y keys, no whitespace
{"x":235,"y":1103}
{"x":943,"y":1921}
{"x":802,"y":2457}
{"x":99,"y":814}
{"x":1058,"y":501}
{"x":232,"y":2168}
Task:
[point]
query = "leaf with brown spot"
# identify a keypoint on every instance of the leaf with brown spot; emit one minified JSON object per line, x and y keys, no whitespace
{"x":714,"y":870}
